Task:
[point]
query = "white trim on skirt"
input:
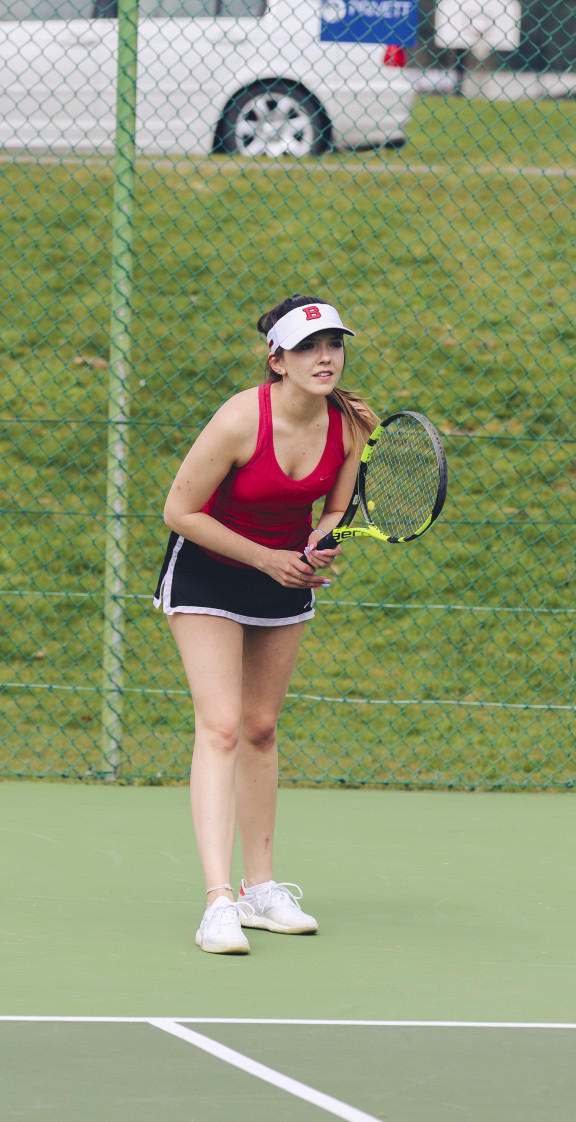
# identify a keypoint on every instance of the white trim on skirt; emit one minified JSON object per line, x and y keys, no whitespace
{"x":255,"y":621}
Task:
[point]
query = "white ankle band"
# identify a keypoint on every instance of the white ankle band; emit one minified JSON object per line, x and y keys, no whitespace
{"x":217,"y":886}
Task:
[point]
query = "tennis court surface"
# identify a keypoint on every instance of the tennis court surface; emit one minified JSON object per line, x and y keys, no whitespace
{"x":441,"y":985}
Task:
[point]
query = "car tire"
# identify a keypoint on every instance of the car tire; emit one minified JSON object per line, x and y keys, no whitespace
{"x":276,"y":118}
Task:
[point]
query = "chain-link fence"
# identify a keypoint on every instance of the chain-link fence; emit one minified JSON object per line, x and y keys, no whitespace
{"x":271,"y":159}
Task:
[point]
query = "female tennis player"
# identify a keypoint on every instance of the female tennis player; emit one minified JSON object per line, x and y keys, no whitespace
{"x":237,"y":595}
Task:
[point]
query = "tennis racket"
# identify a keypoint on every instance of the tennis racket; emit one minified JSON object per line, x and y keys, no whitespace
{"x":401,"y":483}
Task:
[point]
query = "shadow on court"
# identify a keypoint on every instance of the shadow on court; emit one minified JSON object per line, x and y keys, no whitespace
{"x":433,"y":907}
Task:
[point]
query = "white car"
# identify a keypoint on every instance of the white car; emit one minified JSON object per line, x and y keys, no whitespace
{"x":251,"y":77}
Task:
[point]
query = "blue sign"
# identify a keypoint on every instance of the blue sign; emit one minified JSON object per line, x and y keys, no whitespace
{"x":369,"y":21}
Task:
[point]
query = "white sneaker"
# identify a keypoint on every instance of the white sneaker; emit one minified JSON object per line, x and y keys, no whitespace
{"x":220,"y":931}
{"x":273,"y":907}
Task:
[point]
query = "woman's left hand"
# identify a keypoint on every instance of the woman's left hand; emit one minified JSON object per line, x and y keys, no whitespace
{"x":319,"y":558}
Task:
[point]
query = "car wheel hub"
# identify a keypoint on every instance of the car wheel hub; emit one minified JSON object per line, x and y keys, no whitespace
{"x":274,"y":126}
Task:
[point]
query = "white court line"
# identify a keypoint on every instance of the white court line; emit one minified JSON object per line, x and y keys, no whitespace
{"x":381,"y":1024}
{"x":294,"y":1021}
{"x":267,"y":1074}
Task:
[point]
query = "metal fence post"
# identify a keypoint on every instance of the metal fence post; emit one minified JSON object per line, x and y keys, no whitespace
{"x":119,"y":392}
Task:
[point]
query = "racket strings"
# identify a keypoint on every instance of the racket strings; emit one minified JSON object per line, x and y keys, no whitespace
{"x":402,"y":479}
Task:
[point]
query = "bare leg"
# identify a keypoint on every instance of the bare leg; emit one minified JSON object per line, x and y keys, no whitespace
{"x":211,"y":651}
{"x":269,"y":658}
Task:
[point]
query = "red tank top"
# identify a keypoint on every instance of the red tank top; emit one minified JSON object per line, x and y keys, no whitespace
{"x":261,"y":502}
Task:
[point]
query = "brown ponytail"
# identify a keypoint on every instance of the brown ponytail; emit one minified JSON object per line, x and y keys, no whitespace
{"x":360,"y":418}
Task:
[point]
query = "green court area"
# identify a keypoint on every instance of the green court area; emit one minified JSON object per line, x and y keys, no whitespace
{"x":63,"y":1071}
{"x":441,"y":985}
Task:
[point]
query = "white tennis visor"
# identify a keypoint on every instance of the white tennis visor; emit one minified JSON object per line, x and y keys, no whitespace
{"x":301,"y":322}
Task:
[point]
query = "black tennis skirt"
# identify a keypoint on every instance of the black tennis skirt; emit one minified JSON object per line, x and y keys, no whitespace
{"x":194,"y":583}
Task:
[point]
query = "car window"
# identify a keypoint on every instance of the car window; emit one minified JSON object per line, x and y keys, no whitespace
{"x":254,"y":8}
{"x":155,"y":9}
{"x":16,"y":10}
{"x":158,"y":9}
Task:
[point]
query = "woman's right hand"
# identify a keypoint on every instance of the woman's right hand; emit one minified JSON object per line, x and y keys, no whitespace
{"x":286,"y":567}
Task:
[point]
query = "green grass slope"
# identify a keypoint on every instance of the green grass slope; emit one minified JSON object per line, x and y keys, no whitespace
{"x":447,"y":662}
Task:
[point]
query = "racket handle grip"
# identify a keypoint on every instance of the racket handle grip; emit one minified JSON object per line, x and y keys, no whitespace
{"x":326,"y":542}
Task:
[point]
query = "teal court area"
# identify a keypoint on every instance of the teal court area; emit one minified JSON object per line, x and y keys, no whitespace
{"x":441,"y":985}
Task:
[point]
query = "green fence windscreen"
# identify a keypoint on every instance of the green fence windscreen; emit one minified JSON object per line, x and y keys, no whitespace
{"x":434,"y":203}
